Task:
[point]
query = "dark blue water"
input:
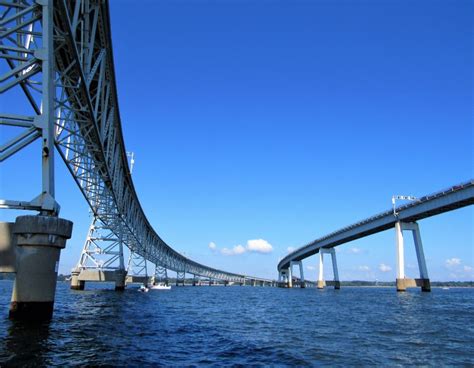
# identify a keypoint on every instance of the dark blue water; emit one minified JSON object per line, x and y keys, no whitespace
{"x":228,"y":326}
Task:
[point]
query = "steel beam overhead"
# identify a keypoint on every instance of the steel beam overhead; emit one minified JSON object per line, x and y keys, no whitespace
{"x":63,"y":62}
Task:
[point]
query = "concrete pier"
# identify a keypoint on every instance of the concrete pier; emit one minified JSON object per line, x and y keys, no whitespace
{"x":7,"y":247}
{"x":402,"y":281}
{"x":403,"y":284}
{"x":321,"y":282}
{"x":77,"y":284}
{"x":120,"y":277}
{"x":39,"y":243}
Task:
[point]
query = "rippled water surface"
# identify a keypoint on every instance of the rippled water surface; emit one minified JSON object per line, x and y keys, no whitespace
{"x":198,"y":326}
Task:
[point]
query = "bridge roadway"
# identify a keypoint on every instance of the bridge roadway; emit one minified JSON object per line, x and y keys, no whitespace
{"x":447,"y":200}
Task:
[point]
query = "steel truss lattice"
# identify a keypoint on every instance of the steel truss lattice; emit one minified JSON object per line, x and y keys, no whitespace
{"x":103,"y":250}
{"x":61,"y":58}
{"x":137,"y":265}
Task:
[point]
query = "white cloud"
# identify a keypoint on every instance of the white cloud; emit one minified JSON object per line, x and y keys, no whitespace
{"x":259,"y":246}
{"x":384,"y":268}
{"x":238,"y":249}
{"x":290,"y":249}
{"x":453,"y":262}
{"x":256,"y":245}
{"x":354,"y":250}
{"x":364,"y":268}
{"x":467,"y":269}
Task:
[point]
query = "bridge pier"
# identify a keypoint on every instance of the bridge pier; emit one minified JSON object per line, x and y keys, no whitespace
{"x":402,"y":281}
{"x":120,"y":278}
{"x":77,"y":284}
{"x":300,"y":264}
{"x":321,"y":281}
{"x":101,"y":258}
{"x":39,"y":242}
{"x":137,"y":272}
{"x":284,"y":278}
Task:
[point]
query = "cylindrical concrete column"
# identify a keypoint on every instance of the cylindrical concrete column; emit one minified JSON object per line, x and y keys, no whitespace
{"x":40,"y":240}
{"x":120,"y":276}
{"x":76,"y":284}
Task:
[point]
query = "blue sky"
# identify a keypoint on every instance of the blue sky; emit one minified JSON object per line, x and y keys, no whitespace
{"x":284,"y":121}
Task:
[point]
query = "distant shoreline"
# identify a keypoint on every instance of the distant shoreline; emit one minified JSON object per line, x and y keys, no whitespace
{"x":356,"y":283}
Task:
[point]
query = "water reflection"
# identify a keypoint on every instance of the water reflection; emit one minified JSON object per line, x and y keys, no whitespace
{"x":26,"y":344}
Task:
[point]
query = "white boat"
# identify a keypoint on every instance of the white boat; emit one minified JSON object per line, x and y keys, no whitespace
{"x":160,"y":286}
{"x":143,"y":289}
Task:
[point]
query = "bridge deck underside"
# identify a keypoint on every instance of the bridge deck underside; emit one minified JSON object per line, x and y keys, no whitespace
{"x":456,"y":197}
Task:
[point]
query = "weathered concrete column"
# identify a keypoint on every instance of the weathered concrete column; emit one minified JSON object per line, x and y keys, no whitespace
{"x":39,"y":240}
{"x":120,"y":276}
{"x":76,"y":284}
{"x":7,"y":247}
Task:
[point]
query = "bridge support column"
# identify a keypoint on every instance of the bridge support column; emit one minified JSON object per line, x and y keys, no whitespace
{"x":284,"y":278}
{"x":136,"y":270}
{"x":76,"y":284}
{"x":290,"y":277}
{"x":321,"y":281}
{"x":402,"y":281}
{"x":39,"y":241}
{"x":337,"y":283}
{"x":101,"y":258}
{"x":300,"y":264}
{"x":121,"y":276}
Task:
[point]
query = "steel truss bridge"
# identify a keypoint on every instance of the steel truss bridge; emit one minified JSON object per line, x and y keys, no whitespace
{"x":59,"y":55}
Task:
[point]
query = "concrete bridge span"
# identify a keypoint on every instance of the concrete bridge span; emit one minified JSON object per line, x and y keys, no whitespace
{"x":402,"y":218}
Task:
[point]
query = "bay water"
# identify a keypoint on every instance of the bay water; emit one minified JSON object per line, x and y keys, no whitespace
{"x":244,"y":326}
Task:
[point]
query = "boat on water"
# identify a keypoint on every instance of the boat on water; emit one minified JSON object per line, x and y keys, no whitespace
{"x":143,"y":289}
{"x":160,"y":286}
